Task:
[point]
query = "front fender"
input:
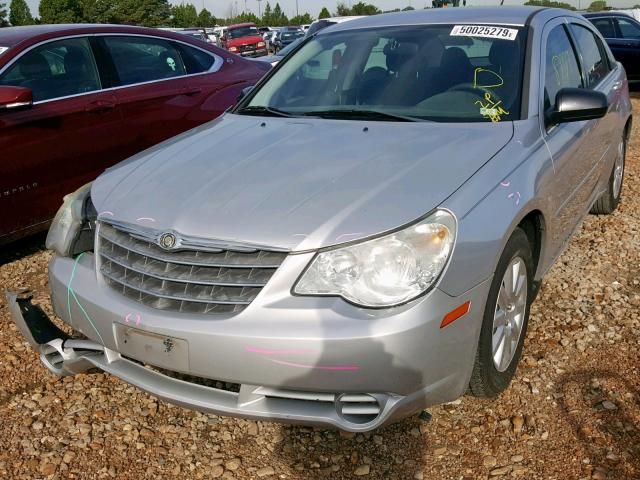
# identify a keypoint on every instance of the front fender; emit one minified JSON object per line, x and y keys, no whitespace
{"x":492,"y":203}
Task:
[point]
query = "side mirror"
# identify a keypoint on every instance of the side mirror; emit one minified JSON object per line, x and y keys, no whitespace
{"x":577,"y":104}
{"x":12,"y":98}
{"x":244,"y":92}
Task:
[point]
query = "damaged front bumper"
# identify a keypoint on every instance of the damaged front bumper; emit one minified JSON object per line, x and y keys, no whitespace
{"x":362,"y":372}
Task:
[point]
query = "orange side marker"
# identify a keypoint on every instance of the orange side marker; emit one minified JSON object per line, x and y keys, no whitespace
{"x":455,"y":314}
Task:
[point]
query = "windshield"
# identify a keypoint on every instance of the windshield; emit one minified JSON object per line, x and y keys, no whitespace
{"x":444,"y":73}
{"x":242,"y":32}
{"x":291,"y":35}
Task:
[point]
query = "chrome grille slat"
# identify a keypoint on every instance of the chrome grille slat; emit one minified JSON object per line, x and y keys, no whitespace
{"x":185,"y":280}
{"x":190,"y":277}
{"x":253,"y":259}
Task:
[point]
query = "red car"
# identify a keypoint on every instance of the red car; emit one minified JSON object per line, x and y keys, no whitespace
{"x":75,"y":99}
{"x":245,"y":40}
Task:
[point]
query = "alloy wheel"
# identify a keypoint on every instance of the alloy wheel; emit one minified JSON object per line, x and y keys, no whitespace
{"x":618,"y":171}
{"x":509,"y":316}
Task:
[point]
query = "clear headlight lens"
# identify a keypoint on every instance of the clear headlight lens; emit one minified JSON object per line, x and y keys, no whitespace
{"x":385,"y":271}
{"x":67,"y":223}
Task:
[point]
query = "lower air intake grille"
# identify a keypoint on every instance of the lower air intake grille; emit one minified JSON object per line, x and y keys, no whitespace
{"x":211,"y":281}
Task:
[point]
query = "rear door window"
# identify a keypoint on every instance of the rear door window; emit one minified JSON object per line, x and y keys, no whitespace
{"x":144,"y":59}
{"x":195,"y":60}
{"x":56,"y":69}
{"x":628,"y":28}
{"x":604,"y":26}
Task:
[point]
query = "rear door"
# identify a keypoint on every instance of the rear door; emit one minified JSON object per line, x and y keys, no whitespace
{"x":151,"y":87}
{"x":628,"y":45}
{"x":69,"y":135}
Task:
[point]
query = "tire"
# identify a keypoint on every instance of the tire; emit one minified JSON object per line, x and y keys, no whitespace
{"x":490,"y":377}
{"x":609,"y":200}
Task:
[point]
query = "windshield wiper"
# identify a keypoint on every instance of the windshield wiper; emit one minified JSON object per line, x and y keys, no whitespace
{"x":356,"y":114}
{"x":263,"y":111}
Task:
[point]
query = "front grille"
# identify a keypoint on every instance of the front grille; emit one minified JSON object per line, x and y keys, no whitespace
{"x":211,"y":280}
{"x":247,"y":48}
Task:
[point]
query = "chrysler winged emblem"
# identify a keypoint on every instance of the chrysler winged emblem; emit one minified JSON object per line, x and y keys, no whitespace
{"x":167,"y":240}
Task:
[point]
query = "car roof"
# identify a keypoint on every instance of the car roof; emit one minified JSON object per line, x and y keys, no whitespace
{"x":242,"y":25}
{"x":12,"y":36}
{"x":516,"y":16}
{"x":606,"y":14}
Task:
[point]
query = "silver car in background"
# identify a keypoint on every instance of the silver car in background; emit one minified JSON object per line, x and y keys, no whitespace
{"x":361,"y":237}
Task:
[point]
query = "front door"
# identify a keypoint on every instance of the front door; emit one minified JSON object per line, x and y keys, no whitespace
{"x":69,"y":135}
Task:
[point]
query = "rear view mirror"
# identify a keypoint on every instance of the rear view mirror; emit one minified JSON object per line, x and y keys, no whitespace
{"x":577,"y":104}
{"x":12,"y":98}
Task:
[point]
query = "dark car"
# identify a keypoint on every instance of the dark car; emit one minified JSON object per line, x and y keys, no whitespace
{"x":75,"y":99}
{"x":622,"y":33}
{"x":286,"y":37}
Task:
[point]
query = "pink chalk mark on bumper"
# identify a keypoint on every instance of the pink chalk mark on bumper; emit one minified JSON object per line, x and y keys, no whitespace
{"x":266,"y":351}
{"x":333,"y":368}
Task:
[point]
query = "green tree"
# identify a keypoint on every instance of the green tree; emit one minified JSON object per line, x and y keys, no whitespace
{"x":206,"y":19}
{"x":597,"y":6}
{"x":342,"y":10}
{"x":148,"y":13}
{"x":20,"y":13}
{"x":60,"y":11}
{"x":184,"y":15}
{"x":99,"y":11}
{"x":362,"y":8}
{"x":3,"y":15}
{"x":550,"y":3}
{"x":301,"y":19}
{"x":267,"y":16}
{"x":279,"y":18}
{"x":324,"y":13}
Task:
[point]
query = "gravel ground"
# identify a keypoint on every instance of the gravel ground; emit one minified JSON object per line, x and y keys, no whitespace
{"x":573,"y":410}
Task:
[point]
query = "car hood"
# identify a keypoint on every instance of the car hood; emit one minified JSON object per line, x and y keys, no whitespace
{"x":295,"y":184}
{"x":250,"y":40}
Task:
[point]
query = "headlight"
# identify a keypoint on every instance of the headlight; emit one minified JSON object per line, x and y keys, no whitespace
{"x":385,"y":271}
{"x":260,"y":44}
{"x":71,"y":231}
{"x":233,"y":49}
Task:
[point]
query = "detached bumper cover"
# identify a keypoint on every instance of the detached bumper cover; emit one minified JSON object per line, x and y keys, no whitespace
{"x":287,"y":356}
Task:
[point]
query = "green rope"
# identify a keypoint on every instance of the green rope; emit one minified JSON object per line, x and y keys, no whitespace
{"x":71,"y":292}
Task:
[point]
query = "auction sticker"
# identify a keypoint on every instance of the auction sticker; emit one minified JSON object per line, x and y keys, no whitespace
{"x":486,"y":31}
{"x":3,"y":49}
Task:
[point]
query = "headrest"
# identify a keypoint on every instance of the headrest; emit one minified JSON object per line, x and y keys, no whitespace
{"x":503,"y":52}
{"x":455,"y":57}
{"x":74,"y":60}
{"x":398,"y":53}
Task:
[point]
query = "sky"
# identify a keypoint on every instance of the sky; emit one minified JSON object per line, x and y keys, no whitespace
{"x":222,"y":8}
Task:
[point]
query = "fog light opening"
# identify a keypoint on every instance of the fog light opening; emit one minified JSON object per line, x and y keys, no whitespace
{"x":357,"y":408}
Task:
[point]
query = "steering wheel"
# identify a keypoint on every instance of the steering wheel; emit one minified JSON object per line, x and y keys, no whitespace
{"x":479,"y":91}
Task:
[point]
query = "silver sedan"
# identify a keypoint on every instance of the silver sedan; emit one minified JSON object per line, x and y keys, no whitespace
{"x":361,"y":237}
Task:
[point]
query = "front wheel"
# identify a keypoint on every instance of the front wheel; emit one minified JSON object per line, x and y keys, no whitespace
{"x":610,"y":199}
{"x":505,"y":319}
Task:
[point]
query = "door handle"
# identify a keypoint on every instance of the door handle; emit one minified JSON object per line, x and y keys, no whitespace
{"x":191,"y":91}
{"x":99,"y":106}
